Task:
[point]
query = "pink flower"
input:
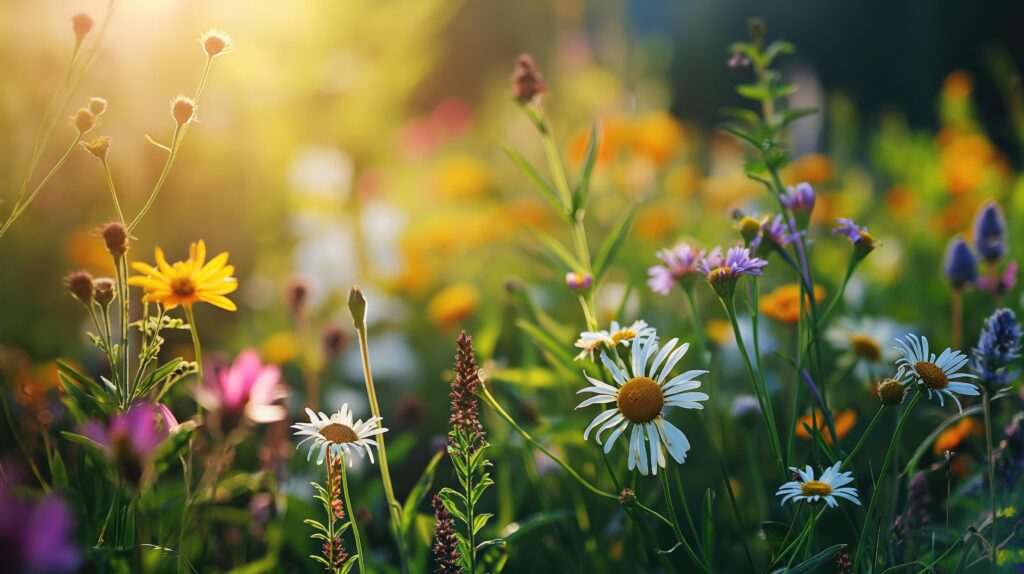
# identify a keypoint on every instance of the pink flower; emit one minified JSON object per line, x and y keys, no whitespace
{"x":680,"y":262}
{"x":247,"y":389}
{"x":131,"y":437}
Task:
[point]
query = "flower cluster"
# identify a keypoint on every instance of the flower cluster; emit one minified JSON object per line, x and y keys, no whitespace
{"x":998,"y":348}
{"x":464,"y":404}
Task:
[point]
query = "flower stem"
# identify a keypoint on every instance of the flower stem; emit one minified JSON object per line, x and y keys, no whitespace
{"x":986,"y":406}
{"x":113,"y":191}
{"x":20,"y":207}
{"x":352,"y":516}
{"x":863,"y":437}
{"x":667,"y":490}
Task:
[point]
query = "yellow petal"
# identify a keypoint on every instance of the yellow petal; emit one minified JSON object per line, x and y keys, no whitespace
{"x":218,"y":301}
{"x":161,"y":262}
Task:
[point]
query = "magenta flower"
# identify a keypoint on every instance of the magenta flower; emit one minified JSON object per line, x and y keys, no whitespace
{"x":130,"y":438}
{"x":680,"y":262}
{"x":36,"y":536}
{"x":1001,"y":283}
{"x":246,"y":390}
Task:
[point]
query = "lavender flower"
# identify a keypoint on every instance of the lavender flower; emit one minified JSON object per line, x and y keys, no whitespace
{"x":446,"y":543}
{"x":464,"y":405}
{"x":723,"y":272}
{"x":961,"y":267}
{"x":990,"y":232}
{"x":799,"y":199}
{"x":998,"y":347}
{"x":863,"y":242}
{"x":680,"y":264}
{"x":773,"y":231}
{"x":36,"y":536}
{"x":131,"y":438}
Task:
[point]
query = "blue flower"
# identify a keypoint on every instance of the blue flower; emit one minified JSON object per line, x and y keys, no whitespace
{"x":990,"y":232}
{"x":961,"y":266}
{"x":998,"y":347}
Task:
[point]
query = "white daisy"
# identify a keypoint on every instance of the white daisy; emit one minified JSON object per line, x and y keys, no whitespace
{"x":828,"y":487}
{"x":640,"y":399}
{"x":617,"y":334}
{"x":934,"y":374}
{"x":862,"y":341}
{"x":338,"y":435}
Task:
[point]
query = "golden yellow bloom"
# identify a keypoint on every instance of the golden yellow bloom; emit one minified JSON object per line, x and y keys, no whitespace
{"x":657,"y":136}
{"x":453,"y":304}
{"x":187,"y":282}
{"x":844,"y":420}
{"x":783,"y":304}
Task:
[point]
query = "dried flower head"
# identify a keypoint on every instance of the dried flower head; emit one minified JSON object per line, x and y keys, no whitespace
{"x":464,"y":406}
{"x":84,"y":121}
{"x":104,"y":290}
{"x":98,"y":106}
{"x":183,"y":109}
{"x":98,"y":146}
{"x":81,"y":24}
{"x":527,"y":83}
{"x":891,"y":392}
{"x":215,"y":43}
{"x":115,"y":235}
{"x":296,"y":293}
{"x":627,"y":496}
{"x":80,"y":286}
{"x":446,"y":543}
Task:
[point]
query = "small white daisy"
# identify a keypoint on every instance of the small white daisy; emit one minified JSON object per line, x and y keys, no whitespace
{"x":338,"y":435}
{"x":828,"y":487}
{"x":935,"y":374}
{"x":862,"y":341}
{"x":617,"y":334}
{"x":640,"y":399}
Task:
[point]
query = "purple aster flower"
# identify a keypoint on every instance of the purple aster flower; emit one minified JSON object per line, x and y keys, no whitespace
{"x":131,"y":437}
{"x":998,"y":348}
{"x":774,"y":231}
{"x":36,"y":536}
{"x":863,"y":242}
{"x":961,"y":266}
{"x":799,"y":199}
{"x":679,"y":262}
{"x":990,"y":232}
{"x":723,"y":272}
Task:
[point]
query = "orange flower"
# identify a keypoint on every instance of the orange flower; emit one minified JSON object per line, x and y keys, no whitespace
{"x":813,"y":168}
{"x":845,"y":420}
{"x":958,"y":86}
{"x":453,"y":304}
{"x":954,"y":436}
{"x":783,"y":304}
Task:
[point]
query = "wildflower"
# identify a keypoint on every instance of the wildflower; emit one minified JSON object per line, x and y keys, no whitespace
{"x":36,"y":536}
{"x":247,"y":390}
{"x":862,"y":341}
{"x":891,"y":392}
{"x":738,"y":60}
{"x":80,"y":286}
{"x":215,"y":43}
{"x":990,"y":232}
{"x":783,"y":304}
{"x":951,"y":438}
{"x":998,"y":347}
{"x":617,"y":334}
{"x":104,"y":291}
{"x":82,"y":25}
{"x":578,"y":282}
{"x":723,"y":272}
{"x":679,"y":264}
{"x":98,"y":147}
{"x":640,"y":399}
{"x":844,"y":422}
{"x":130,"y":438}
{"x":843,"y":563}
{"x":115,"y":236}
{"x":960,"y":265}
{"x":410,"y":411}
{"x":527,"y":83}
{"x":934,"y":374}
{"x":338,"y":434}
{"x":183,"y":110}
{"x":98,"y":106}
{"x":187,"y":282}
{"x":446,"y":543}
{"x":828,"y":486}
{"x":84,"y":121}
{"x":464,"y":407}
{"x":749,"y":228}
{"x":771,"y":232}
{"x":799,"y":199}
{"x":863,"y":242}
{"x":1000,"y":283}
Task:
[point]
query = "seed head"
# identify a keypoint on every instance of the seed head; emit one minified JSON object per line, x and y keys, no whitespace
{"x":527,"y":83}
{"x":80,"y":286}
{"x":627,"y":496}
{"x":183,"y":109}
{"x":84,"y":120}
{"x":215,"y":43}
{"x":116,"y":237}
{"x":98,"y":146}
{"x":446,"y":543}
{"x":891,"y":392}
{"x":104,"y":291}
{"x":81,"y":24}
{"x":464,"y":406}
{"x":98,"y":106}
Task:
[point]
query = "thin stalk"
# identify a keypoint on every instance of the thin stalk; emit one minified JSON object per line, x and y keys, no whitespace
{"x":987,"y":410}
{"x":113,"y":191}
{"x":21,"y":207}
{"x":881,"y":477}
{"x":160,"y":180}
{"x":863,"y":437}
{"x":351,"y":516}
{"x":956,"y":316}
{"x":195,"y":345}
{"x":667,"y":489}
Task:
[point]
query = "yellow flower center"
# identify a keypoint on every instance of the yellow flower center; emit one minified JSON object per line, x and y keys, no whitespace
{"x":931,"y":375}
{"x":815,"y":488}
{"x":339,"y":433}
{"x":717,"y":274}
{"x":183,"y":286}
{"x":640,"y":400}
{"x":866,"y":347}
{"x":623,"y":335}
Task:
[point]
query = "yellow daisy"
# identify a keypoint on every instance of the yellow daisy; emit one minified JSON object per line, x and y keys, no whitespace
{"x":189,"y":281}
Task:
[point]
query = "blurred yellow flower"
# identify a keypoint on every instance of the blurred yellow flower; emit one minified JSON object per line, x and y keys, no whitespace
{"x":951,"y":438}
{"x":462,"y":177}
{"x":783,"y":304}
{"x":187,"y":282}
{"x":453,"y":304}
{"x":845,"y":420}
{"x":657,"y":136}
{"x":719,"y":331}
{"x":280,"y":348}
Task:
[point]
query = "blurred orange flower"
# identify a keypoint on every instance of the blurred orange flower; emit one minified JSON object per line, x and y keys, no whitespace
{"x":951,"y":438}
{"x":453,"y":304}
{"x":657,"y":135}
{"x":813,"y":168}
{"x":845,"y":420}
{"x":783,"y":304}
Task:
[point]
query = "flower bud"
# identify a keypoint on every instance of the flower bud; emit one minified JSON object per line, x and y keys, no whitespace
{"x":97,"y":146}
{"x":97,"y":106}
{"x":104,"y":290}
{"x":84,"y":120}
{"x":891,"y":392}
{"x":80,"y":286}
{"x":960,"y":266}
{"x":527,"y":83}
{"x":357,"y":306}
{"x":116,"y":237}
{"x":627,"y":497}
{"x":990,"y":232}
{"x":749,"y":228}
{"x":579,"y":282}
{"x":81,"y":24}
{"x":183,"y":109}
{"x":215,"y":43}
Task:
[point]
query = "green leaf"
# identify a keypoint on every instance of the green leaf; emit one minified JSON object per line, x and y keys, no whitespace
{"x":739,"y":134}
{"x":66,"y":371}
{"x":84,"y":441}
{"x":158,"y":375}
{"x":579,"y":196}
{"x":349,"y":564}
{"x":754,"y":92}
{"x":555,"y":351}
{"x":558,"y":251}
{"x":418,"y":492}
{"x":812,"y":563}
{"x":789,"y":116}
{"x":708,"y":529}
{"x":172,"y":446}
{"x":538,"y":180}
{"x":613,"y":243}
{"x":479,"y":521}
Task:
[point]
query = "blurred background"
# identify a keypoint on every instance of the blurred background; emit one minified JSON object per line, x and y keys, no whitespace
{"x":359,"y":142}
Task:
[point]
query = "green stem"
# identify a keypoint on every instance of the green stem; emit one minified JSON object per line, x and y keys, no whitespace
{"x":113,"y":191}
{"x":881,"y":477}
{"x":987,"y":410}
{"x":195,"y":345}
{"x":21,"y":207}
{"x":863,"y":437}
{"x":352,"y":516}
{"x":675,"y":523}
